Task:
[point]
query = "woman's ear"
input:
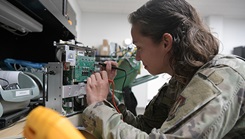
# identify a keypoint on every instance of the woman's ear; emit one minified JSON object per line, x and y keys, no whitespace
{"x":167,"y":41}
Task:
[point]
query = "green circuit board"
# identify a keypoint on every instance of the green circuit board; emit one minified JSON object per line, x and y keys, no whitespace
{"x":85,"y":66}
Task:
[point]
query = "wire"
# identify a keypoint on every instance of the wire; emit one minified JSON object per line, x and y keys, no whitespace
{"x":6,"y":82}
{"x":125,"y":77}
{"x":113,"y":85}
{"x":113,"y":89}
{"x":117,"y":68}
{"x":113,"y":95}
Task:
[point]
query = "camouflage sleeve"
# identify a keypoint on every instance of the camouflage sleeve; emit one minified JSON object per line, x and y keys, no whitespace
{"x":105,"y":123}
{"x":155,"y":114}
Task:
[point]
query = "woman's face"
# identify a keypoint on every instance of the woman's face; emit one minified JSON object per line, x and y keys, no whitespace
{"x":154,"y":56}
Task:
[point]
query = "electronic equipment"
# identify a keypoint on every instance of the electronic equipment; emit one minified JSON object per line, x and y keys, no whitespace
{"x":16,"y":91}
{"x":59,"y":85}
{"x":66,"y":79}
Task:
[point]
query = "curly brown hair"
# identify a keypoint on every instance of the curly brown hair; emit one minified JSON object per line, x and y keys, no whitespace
{"x":193,"y":43}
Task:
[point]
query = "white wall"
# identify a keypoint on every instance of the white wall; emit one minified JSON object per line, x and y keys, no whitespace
{"x":96,"y":27}
{"x":234,"y":34}
{"x":92,"y":28}
{"x":229,"y":31}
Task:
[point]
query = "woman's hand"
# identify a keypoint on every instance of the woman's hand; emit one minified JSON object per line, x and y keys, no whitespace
{"x":111,"y":73}
{"x":97,"y":87}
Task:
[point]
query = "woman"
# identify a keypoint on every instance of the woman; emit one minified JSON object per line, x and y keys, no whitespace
{"x":206,"y":88}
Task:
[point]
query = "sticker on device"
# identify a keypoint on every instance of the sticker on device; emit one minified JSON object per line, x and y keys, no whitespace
{"x":22,"y":93}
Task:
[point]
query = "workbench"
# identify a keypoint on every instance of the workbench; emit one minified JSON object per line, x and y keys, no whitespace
{"x":15,"y":131}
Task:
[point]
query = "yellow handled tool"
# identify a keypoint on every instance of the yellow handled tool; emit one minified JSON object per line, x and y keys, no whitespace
{"x":45,"y":123}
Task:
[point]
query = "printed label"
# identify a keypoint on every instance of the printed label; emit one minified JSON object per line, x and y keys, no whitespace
{"x":22,"y":93}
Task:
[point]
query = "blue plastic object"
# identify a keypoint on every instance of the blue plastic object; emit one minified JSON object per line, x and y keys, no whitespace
{"x":9,"y":63}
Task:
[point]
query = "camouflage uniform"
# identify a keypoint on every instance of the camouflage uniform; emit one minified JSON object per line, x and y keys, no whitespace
{"x":156,"y":111}
{"x":210,"y":106}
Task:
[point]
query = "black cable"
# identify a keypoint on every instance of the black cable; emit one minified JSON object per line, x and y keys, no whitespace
{"x":6,"y":82}
{"x":125,"y":77}
{"x":114,"y":67}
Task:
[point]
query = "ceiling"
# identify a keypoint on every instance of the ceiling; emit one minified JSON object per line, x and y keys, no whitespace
{"x":226,"y":8}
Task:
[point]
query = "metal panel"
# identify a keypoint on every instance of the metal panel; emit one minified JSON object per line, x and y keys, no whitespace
{"x":73,"y":90}
{"x":53,"y":97}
